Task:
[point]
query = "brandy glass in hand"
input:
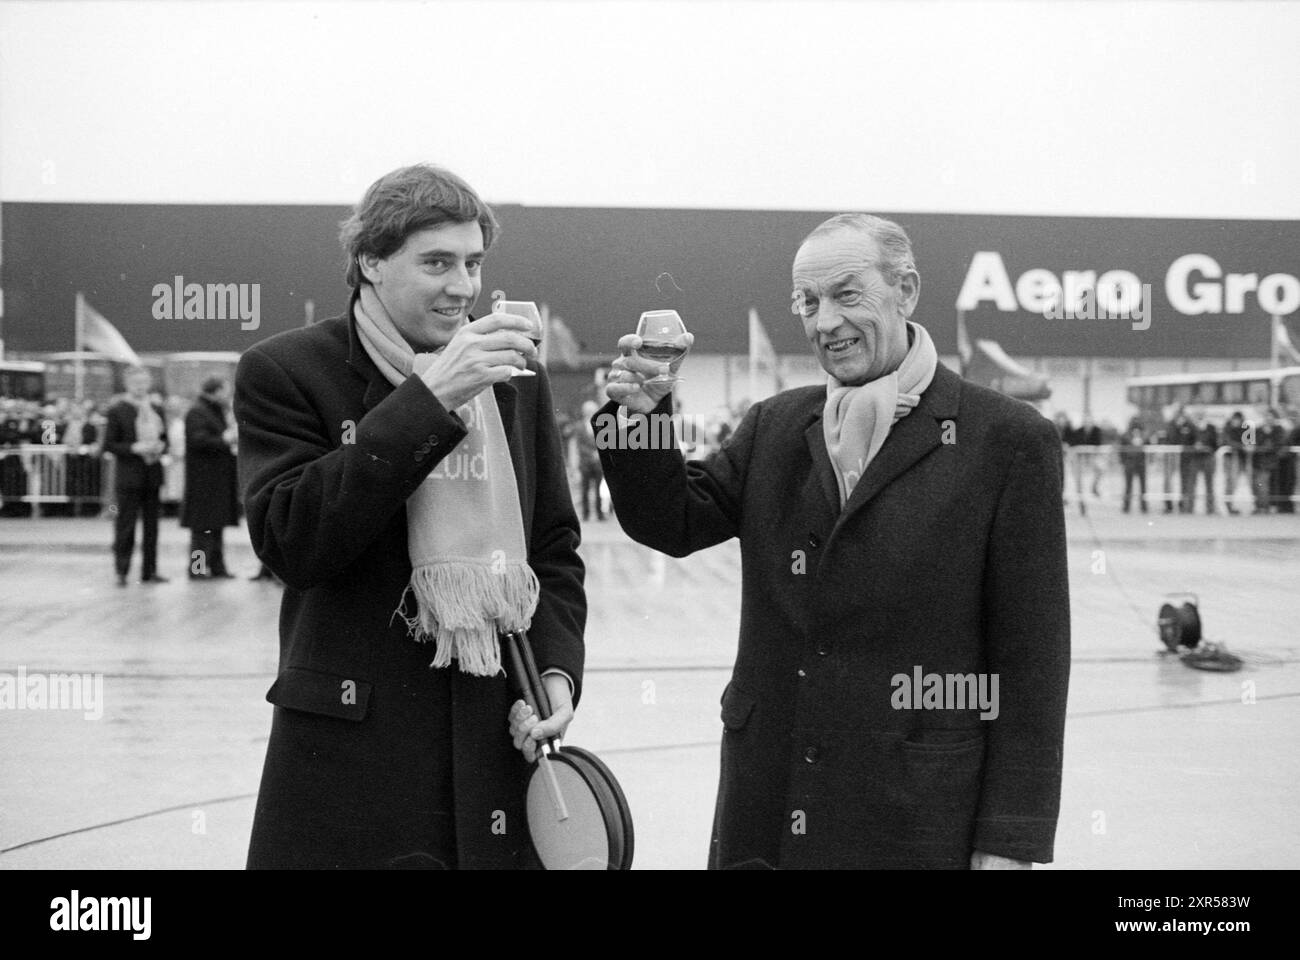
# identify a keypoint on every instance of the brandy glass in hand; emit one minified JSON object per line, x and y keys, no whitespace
{"x":660,"y":331}
{"x":528,"y":310}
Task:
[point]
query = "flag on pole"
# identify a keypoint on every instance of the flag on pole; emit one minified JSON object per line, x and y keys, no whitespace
{"x":1285,"y":349}
{"x":97,"y":335}
{"x":544,"y":348}
{"x":562,"y":349}
{"x":762,"y":359}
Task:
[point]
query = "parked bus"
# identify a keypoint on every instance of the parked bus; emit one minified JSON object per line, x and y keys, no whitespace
{"x":184,"y":373}
{"x":1253,"y":392}
{"x":22,"y":380}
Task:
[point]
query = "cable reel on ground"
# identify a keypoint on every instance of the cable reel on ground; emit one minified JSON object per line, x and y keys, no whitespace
{"x":1179,"y":628}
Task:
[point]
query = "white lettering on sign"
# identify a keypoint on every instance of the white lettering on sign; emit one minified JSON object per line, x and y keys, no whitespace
{"x":1197,"y":298}
{"x":1279,"y":293}
{"x":1195,"y":284}
{"x":986,"y":279}
{"x":1192,"y":286}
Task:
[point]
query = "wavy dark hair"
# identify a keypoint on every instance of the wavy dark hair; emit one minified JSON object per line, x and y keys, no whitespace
{"x":407,"y":201}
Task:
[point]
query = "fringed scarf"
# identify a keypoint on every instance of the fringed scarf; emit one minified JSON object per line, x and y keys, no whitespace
{"x":148,"y":427}
{"x":470,"y":572}
{"x":856,"y":420}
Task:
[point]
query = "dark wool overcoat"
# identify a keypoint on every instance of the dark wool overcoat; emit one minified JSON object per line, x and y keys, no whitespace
{"x":949,"y":559}
{"x":131,"y":472}
{"x":211,"y":489}
{"x":374,"y":758}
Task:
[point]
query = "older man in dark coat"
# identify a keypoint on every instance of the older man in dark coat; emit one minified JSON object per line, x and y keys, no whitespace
{"x":377,"y":759}
{"x":211,"y":486}
{"x":898,"y":698}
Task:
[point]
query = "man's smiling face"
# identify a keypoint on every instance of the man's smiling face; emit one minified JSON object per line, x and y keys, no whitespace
{"x":429,"y":285}
{"x":854,"y":319}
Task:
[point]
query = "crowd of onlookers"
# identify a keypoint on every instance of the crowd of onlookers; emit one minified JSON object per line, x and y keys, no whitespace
{"x":697,"y":439}
{"x":59,"y":421}
{"x":78,"y":426}
{"x":1258,"y":455}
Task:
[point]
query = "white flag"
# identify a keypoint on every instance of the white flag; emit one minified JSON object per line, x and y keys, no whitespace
{"x":964,"y":350}
{"x":1285,"y":347}
{"x":762,"y":359}
{"x":562,"y":347}
{"x":96,"y":334}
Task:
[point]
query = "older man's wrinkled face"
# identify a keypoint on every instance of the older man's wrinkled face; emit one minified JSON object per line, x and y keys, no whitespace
{"x":855,"y":321}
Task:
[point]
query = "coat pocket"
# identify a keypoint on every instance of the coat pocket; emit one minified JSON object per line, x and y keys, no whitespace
{"x":736,"y":707}
{"x":327,"y":694}
{"x":945,"y":741}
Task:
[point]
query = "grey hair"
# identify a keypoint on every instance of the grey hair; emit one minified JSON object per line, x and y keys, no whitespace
{"x":896,"y":256}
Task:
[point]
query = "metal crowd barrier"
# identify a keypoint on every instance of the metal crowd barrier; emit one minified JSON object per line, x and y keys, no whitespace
{"x":43,"y":474}
{"x":1181,"y":479}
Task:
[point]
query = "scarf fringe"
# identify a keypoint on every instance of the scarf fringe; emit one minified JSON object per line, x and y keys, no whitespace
{"x":462,"y":606}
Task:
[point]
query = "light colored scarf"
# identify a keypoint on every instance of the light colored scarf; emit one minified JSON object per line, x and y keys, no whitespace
{"x":148,"y":427}
{"x":464,"y":526}
{"x":856,"y":420}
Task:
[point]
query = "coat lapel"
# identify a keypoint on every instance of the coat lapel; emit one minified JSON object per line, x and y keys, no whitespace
{"x":908,"y":442}
{"x":823,"y":474}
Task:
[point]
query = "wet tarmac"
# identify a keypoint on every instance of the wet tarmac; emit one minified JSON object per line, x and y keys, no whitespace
{"x":1164,"y":766}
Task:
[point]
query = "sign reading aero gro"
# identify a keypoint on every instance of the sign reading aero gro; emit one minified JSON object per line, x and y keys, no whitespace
{"x":1194,"y":284}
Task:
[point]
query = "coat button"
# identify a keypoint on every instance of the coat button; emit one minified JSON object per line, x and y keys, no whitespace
{"x":811,"y":754}
{"x":433,"y":440}
{"x":814,"y":540}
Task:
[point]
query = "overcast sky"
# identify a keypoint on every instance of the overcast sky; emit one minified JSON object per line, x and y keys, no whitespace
{"x":1168,"y":109}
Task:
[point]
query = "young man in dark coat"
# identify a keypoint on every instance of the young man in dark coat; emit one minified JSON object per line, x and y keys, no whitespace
{"x":136,"y":435}
{"x":898,"y":698}
{"x":413,"y":498}
{"x":211,"y":486}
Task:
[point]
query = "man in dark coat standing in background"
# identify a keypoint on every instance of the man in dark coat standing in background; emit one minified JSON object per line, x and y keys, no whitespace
{"x":136,"y":435}
{"x":898,"y":697}
{"x":211,"y":485}
{"x":407,"y":489}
